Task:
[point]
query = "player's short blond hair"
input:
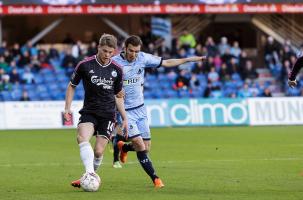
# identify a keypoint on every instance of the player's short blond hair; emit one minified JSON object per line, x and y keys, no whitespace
{"x":108,"y":40}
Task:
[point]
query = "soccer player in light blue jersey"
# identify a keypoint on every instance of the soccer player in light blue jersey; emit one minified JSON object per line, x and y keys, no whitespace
{"x":133,"y":63}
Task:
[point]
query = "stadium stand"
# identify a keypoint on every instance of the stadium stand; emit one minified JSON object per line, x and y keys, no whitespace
{"x":43,"y":71}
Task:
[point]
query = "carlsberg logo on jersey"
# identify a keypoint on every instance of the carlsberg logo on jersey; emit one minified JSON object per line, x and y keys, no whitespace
{"x":201,"y":112}
{"x":107,"y":84}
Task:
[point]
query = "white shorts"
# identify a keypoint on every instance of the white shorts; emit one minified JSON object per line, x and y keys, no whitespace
{"x":138,"y":123}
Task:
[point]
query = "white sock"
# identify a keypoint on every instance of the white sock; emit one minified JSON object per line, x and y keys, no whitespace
{"x":87,"y":156}
{"x":97,"y":163}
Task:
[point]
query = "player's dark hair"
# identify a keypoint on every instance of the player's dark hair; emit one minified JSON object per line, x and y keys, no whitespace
{"x":108,"y":40}
{"x":133,"y":40}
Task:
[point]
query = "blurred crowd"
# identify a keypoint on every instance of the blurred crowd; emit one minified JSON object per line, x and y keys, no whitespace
{"x":33,"y":72}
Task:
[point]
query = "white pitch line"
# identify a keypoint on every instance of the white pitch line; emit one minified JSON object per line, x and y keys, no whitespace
{"x":54,"y":164}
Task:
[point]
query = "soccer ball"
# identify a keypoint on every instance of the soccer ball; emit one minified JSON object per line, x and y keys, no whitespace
{"x":90,"y":182}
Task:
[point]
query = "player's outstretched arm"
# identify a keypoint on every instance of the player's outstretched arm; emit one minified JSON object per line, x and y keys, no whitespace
{"x":69,"y":95}
{"x":294,"y":72}
{"x":121,"y":109}
{"x":180,"y":61}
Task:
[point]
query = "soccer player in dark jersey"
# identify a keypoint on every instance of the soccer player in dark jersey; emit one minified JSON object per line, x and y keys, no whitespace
{"x":102,"y":81}
{"x":292,"y":82}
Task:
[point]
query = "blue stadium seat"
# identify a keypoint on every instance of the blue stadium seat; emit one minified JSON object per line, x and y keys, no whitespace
{"x":16,"y":94}
{"x":166,"y":85}
{"x":42,"y":88}
{"x":53,"y":86}
{"x":62,"y":78}
{"x":29,"y":87}
{"x":157,"y":93}
{"x":170,"y":94}
{"x":47,"y":72}
{"x":162,"y":77}
{"x":33,"y":95}
{"x":236,"y":77}
{"x":184,"y":93}
{"x":293,"y":92}
{"x":148,"y":94}
{"x":151,"y":78}
{"x":50,"y":78}
{"x":79,"y":94}
{"x":6,"y":96}
{"x":45,"y":96}
{"x":216,"y":94}
{"x":197,"y":93}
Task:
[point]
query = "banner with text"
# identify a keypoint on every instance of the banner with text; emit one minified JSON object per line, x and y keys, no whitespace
{"x":163,"y":113}
{"x":150,"y":9}
{"x":197,"y":112}
{"x":276,"y":111}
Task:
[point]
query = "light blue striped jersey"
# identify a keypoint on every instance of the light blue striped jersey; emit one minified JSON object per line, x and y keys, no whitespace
{"x":133,"y":76}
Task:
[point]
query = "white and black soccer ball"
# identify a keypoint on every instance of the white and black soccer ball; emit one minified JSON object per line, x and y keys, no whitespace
{"x":90,"y":182}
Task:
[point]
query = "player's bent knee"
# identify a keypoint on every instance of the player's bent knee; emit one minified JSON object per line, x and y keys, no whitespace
{"x":138,"y":144}
{"x":81,"y":139}
{"x":98,"y":154}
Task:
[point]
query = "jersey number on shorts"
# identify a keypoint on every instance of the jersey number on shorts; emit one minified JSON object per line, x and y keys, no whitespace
{"x":110,"y":126}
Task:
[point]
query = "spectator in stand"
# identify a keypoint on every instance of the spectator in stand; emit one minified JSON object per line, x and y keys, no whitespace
{"x":4,"y":65}
{"x":68,"y":62}
{"x":194,"y":82}
{"x":286,"y":53}
{"x":249,"y":73}
{"x":77,"y":50}
{"x":43,"y":60}
{"x":199,"y":50}
{"x":233,"y":65}
{"x":24,"y":59}
{"x":254,"y":90}
{"x":218,"y":61}
{"x":150,"y":48}
{"x":16,"y":50}
{"x":182,"y":81}
{"x":198,"y":68}
{"x":30,"y":48}
{"x":235,"y":50}
{"x":271,"y":47}
{"x":15,"y":77}
{"x":223,"y":46}
{"x":92,"y":49}
{"x":213,"y":76}
{"x":224,"y":72}
{"x":211,"y":47}
{"x":187,"y":40}
{"x":266,"y":93}
{"x":35,"y":64}
{"x":226,"y":57}
{"x":6,"y":85}
{"x":245,"y":92}
{"x":7,"y":56}
{"x":163,"y":50}
{"x":208,"y":64}
{"x":3,"y":47}
{"x":2,"y":73}
{"x":242,"y":61}
{"x":28,"y":77}
{"x":286,"y":69}
{"x":293,"y":59}
{"x":25,"y":96}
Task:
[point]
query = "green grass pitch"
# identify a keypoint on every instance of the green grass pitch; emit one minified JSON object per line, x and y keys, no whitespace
{"x":220,"y":163}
